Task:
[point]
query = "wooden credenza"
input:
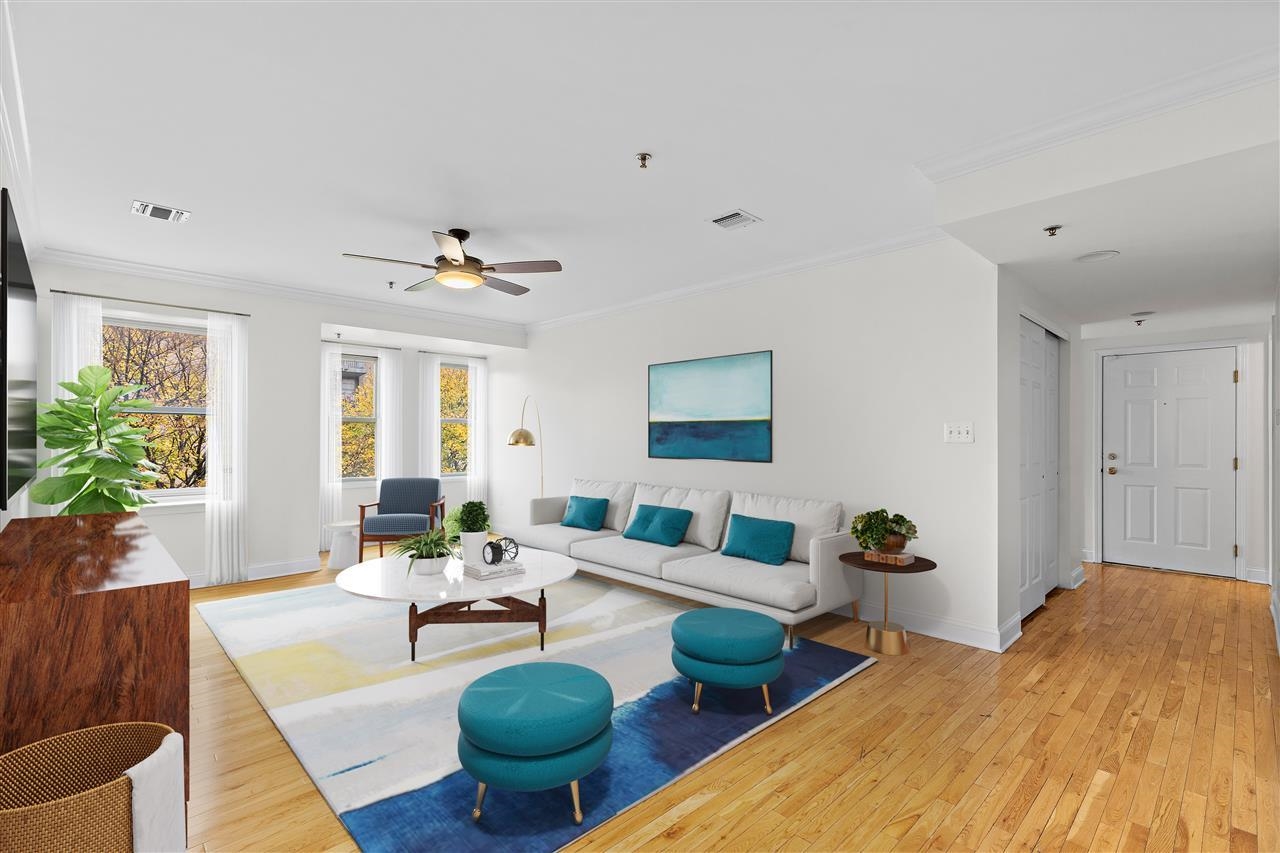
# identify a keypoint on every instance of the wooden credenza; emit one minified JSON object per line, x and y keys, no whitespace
{"x":93,"y":627}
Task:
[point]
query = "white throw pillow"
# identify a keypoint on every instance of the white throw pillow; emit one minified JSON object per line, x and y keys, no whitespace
{"x":811,"y":518}
{"x":618,"y":493}
{"x":710,"y":509}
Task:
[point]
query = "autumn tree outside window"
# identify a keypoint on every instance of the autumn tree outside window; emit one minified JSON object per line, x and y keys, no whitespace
{"x":359,"y":415}
{"x":455,"y":419}
{"x":169,"y":361}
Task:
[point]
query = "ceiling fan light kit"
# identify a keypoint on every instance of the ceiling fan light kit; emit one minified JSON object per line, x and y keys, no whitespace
{"x":455,"y":269}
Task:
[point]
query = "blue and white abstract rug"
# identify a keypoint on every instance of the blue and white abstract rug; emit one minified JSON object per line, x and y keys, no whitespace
{"x":378,"y":733}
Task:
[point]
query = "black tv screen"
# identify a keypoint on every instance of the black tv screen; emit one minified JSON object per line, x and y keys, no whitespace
{"x":17,"y":356}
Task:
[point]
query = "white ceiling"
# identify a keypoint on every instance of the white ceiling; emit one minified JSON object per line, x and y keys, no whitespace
{"x":1190,"y":238}
{"x":299,"y":131}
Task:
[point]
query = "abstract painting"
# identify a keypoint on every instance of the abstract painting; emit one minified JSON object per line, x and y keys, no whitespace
{"x":712,"y":408}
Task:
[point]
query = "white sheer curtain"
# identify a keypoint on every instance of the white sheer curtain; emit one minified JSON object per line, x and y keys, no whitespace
{"x":389,"y":432}
{"x":76,"y":338}
{"x":330,"y":440}
{"x":227,"y":462}
{"x":429,"y":414}
{"x":478,"y":429}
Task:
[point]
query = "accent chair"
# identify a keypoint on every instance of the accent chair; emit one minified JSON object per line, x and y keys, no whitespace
{"x":406,"y":506}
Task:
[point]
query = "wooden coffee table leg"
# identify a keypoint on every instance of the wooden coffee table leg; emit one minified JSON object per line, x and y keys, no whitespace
{"x":413,"y":632}
{"x":542,"y":620}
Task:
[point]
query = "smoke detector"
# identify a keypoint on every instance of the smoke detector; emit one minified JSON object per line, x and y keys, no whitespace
{"x":159,"y":211}
{"x":735,"y":219}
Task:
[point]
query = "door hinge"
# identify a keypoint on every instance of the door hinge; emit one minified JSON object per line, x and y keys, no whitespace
{"x":1235,"y":550}
{"x":1235,"y":376}
{"x":1235,"y":463}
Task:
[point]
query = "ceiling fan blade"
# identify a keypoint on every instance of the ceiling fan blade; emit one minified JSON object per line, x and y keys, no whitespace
{"x":505,"y":286}
{"x":525,"y":266}
{"x":390,"y":260}
{"x":422,"y":285}
{"x":450,"y":247}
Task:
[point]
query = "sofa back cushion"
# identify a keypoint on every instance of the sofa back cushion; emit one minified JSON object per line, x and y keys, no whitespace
{"x":710,"y":508}
{"x":620,"y":495}
{"x":811,"y":518}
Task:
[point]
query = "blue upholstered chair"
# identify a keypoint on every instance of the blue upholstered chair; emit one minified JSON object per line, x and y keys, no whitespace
{"x":406,"y":507}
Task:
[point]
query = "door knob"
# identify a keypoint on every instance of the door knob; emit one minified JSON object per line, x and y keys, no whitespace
{"x":1111,"y":456}
{"x":1111,"y":470}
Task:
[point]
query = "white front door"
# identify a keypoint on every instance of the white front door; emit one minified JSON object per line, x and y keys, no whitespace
{"x":1031,"y":466}
{"x":1168,"y":466}
{"x":1052,"y":387}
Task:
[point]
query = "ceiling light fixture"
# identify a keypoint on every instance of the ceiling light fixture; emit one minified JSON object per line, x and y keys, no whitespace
{"x":1052,"y":230}
{"x":459,"y":279}
{"x":1142,"y":313}
{"x":1097,"y":257}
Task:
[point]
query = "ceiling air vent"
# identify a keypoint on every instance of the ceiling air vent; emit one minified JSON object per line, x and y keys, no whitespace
{"x":159,"y":211}
{"x":735,"y":219}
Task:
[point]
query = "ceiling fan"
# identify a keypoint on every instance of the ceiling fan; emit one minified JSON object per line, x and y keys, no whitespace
{"x":455,"y":268}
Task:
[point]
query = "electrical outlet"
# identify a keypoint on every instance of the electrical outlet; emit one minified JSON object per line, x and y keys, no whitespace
{"x":958,"y":432}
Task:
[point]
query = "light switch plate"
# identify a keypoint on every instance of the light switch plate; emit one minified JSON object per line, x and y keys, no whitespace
{"x":958,"y":432}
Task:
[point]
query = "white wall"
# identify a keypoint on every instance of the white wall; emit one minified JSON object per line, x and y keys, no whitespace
{"x":284,"y":401}
{"x":1275,"y":466}
{"x":1255,"y":431}
{"x":871,"y":357}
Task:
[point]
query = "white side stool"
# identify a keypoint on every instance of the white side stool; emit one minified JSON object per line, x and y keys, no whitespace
{"x":342,"y":553}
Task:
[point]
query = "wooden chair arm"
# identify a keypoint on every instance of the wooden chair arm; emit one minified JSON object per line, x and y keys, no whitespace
{"x":432,"y":510}
{"x":362,"y":508}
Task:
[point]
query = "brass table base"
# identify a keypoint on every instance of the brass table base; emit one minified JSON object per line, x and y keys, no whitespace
{"x":887,"y":638}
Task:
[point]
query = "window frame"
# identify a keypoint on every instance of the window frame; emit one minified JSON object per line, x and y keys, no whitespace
{"x":140,"y":320}
{"x":467,"y":421}
{"x":348,"y":355}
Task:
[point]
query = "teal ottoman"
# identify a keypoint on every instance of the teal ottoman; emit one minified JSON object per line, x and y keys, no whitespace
{"x":727,"y":647}
{"x":535,"y":726}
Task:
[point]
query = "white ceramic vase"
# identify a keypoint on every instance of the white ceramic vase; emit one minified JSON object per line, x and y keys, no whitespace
{"x":473,"y":548}
{"x":430,"y":565}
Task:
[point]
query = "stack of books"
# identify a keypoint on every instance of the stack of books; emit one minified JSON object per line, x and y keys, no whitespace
{"x":485,"y":572}
{"x":903,"y":559}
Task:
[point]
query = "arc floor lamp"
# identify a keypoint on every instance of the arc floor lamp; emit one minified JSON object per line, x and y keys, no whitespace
{"x":522,"y":437}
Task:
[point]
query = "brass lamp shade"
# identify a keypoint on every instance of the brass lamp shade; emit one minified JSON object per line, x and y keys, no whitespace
{"x":521,"y":438}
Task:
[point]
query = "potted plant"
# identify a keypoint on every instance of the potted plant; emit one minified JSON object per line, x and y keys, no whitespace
{"x":103,"y":456}
{"x":428,"y":552}
{"x":879,"y":531}
{"x":473,"y":519}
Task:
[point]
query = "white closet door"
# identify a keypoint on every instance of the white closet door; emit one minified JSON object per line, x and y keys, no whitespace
{"x":1031,"y":465}
{"x":1052,"y":388}
{"x":1168,"y":443}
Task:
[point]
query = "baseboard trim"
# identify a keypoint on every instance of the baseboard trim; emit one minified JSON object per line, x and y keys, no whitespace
{"x":1275,"y":615}
{"x":1077,"y":578}
{"x":1088,"y":555}
{"x":1010,"y":631}
{"x":282,"y":568}
{"x":1253,"y":574}
{"x":941,"y":627}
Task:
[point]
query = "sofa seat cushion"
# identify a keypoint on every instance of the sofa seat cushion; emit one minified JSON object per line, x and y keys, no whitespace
{"x":633,"y":555}
{"x":554,"y":537}
{"x":811,"y":518}
{"x":786,"y":587}
{"x":710,"y":508}
{"x":392,"y":523}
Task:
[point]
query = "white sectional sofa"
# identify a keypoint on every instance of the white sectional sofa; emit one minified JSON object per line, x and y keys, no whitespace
{"x":812,"y":581}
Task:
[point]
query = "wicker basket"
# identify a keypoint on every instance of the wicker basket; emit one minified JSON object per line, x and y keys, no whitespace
{"x":69,"y":792}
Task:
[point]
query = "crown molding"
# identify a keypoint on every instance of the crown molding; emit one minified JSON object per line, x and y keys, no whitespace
{"x":1212,"y":82}
{"x":263,"y":288}
{"x":906,"y":240}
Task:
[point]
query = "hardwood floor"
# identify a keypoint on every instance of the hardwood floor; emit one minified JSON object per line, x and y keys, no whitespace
{"x":1137,"y":712}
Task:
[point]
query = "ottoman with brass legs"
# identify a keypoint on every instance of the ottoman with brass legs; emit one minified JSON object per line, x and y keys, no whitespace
{"x":727,"y":647}
{"x":535,"y":726}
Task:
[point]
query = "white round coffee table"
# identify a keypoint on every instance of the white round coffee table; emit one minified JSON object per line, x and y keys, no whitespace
{"x":447,"y":598}
{"x":342,"y":552}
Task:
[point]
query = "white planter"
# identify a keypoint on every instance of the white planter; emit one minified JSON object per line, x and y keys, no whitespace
{"x":473,"y":548}
{"x":430,"y":566}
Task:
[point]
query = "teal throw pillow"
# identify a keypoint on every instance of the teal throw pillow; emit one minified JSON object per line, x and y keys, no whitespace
{"x":761,"y":539}
{"x":665,"y":525}
{"x":587,"y":513}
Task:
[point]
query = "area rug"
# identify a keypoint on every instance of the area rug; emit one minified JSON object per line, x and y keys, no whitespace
{"x":378,"y":733}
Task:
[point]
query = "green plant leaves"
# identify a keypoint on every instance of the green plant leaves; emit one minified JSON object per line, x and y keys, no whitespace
{"x":474,"y":517}
{"x":55,"y":490}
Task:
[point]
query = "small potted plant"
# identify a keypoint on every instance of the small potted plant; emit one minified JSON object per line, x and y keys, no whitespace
{"x":879,"y":531}
{"x":473,"y":519}
{"x":428,"y":552}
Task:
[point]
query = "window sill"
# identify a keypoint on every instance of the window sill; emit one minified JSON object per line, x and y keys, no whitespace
{"x":188,"y":504}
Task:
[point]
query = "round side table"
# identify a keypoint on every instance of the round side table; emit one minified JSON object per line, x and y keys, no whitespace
{"x":342,"y":553}
{"x":887,"y":638}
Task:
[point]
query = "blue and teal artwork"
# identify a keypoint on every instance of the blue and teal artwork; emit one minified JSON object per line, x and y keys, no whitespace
{"x":712,"y":408}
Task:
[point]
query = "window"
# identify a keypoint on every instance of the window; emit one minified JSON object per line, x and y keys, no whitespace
{"x":359,"y":415}
{"x":169,"y":363}
{"x":454,"y":415}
